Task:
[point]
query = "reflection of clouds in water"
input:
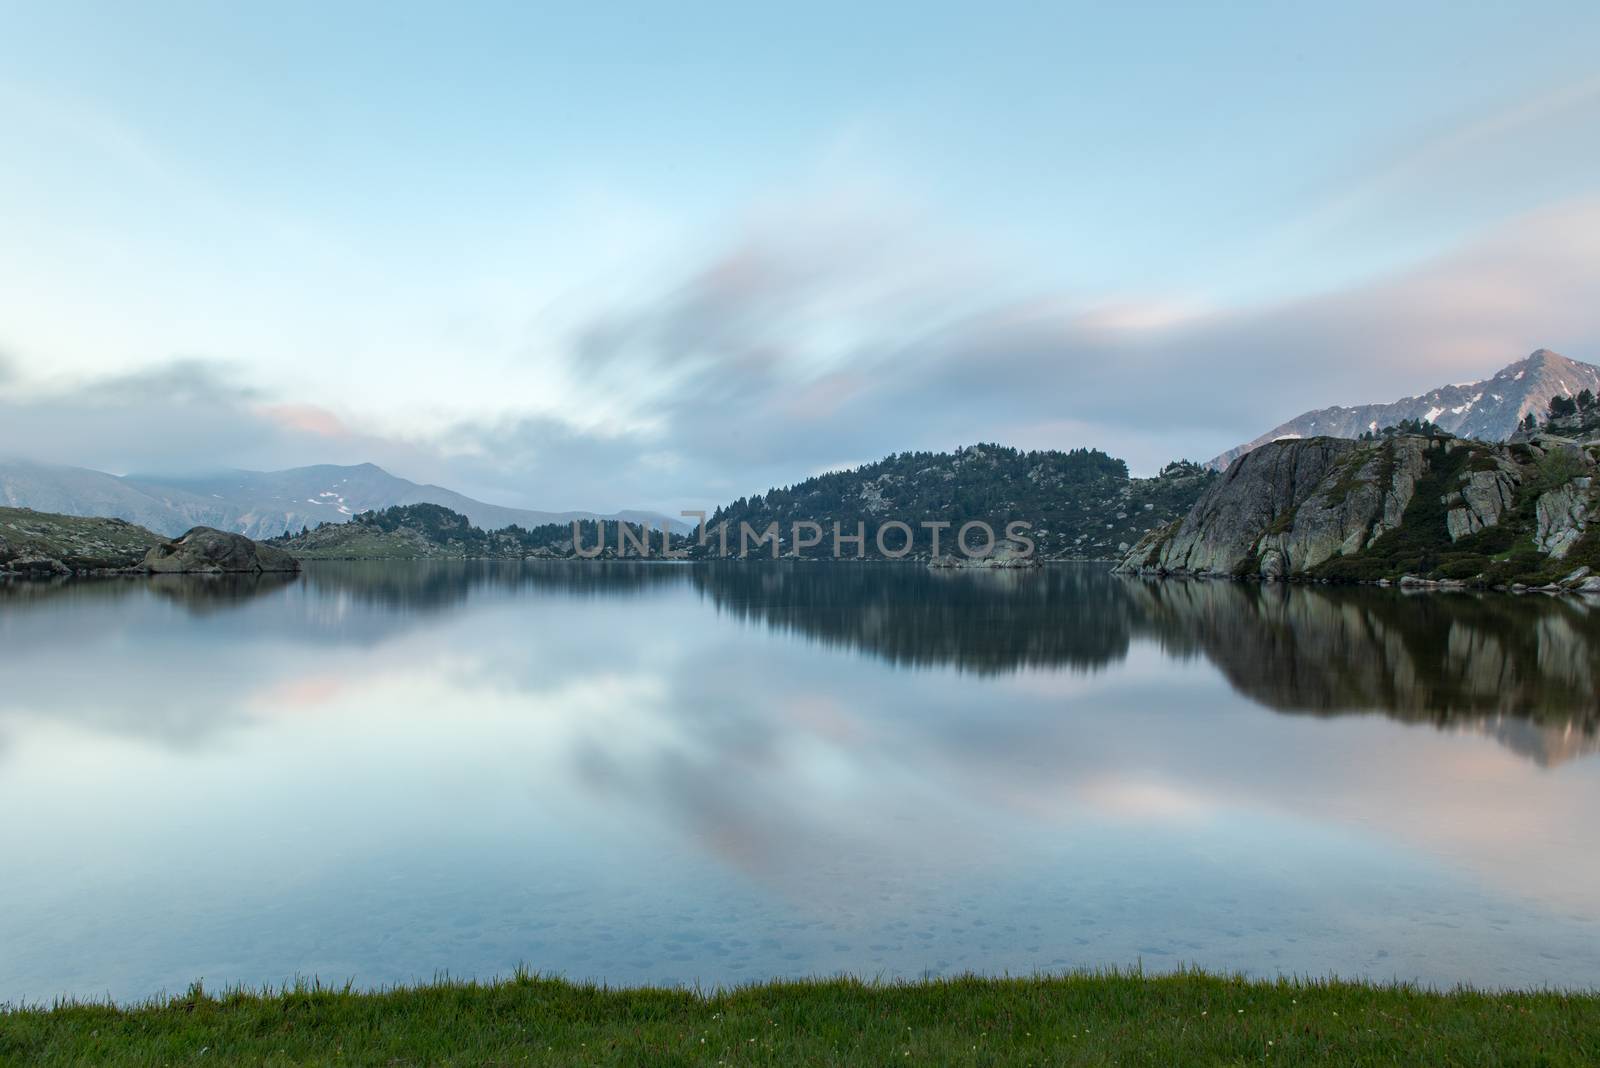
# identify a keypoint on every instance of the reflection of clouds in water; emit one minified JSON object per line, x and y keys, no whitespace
{"x":478,"y":749}
{"x":617,"y":692}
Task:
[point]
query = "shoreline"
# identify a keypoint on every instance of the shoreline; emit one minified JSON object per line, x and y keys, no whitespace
{"x":1412,"y":583}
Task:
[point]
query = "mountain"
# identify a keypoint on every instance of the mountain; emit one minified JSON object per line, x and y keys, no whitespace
{"x":254,"y":503}
{"x":1488,"y":410}
{"x":1413,"y":507}
{"x":1080,"y":503}
{"x":79,"y":491}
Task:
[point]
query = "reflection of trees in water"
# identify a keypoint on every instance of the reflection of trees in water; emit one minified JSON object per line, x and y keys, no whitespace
{"x":436,"y":585}
{"x":977,"y":620}
{"x":1482,"y":661}
{"x":1525,"y":669}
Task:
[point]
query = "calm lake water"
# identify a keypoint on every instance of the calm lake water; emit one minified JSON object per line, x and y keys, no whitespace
{"x":723,"y":773}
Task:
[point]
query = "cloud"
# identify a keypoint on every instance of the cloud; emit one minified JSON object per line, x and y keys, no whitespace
{"x":772,"y":355}
{"x":180,"y":416}
{"x":825,"y":337}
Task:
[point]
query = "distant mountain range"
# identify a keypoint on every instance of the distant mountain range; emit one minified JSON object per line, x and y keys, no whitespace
{"x":255,"y":503}
{"x":1488,"y":410}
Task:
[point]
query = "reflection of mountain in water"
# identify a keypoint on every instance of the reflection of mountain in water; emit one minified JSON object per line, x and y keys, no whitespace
{"x":1524,"y":670}
{"x":1316,"y":650}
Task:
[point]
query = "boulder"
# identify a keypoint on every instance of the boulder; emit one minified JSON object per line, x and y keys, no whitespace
{"x":1562,"y":515}
{"x":1484,"y":496}
{"x":206,"y":550}
{"x":1004,"y":557}
{"x":1262,"y":488}
{"x":1356,"y":504}
{"x":36,"y":566}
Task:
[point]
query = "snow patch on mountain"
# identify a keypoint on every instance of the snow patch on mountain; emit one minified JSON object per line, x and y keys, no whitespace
{"x":1468,"y":409}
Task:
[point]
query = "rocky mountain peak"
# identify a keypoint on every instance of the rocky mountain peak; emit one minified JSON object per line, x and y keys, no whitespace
{"x":1489,"y":409}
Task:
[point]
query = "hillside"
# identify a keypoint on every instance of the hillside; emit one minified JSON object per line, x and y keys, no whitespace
{"x":1488,"y":410}
{"x":257,"y":504}
{"x":428,"y":531}
{"x":1082,"y":504}
{"x":40,"y":541}
{"x":1402,"y":507}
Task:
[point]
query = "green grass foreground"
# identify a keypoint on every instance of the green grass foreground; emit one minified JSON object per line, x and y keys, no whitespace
{"x":1088,"y":1019}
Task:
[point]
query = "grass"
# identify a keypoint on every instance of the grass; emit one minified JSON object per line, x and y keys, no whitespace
{"x":1080,"y":1019}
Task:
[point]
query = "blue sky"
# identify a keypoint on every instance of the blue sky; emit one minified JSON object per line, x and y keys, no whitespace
{"x":651,"y":257}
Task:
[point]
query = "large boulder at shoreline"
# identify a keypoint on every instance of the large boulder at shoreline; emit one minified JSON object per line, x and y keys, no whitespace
{"x":34,"y":567}
{"x":1414,"y":507}
{"x":206,"y":550}
{"x":1260,"y":494}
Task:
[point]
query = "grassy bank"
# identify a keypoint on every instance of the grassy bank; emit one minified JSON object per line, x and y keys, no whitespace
{"x":1082,"y":1019}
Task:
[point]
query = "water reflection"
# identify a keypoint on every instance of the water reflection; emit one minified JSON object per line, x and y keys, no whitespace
{"x":1452,"y":659}
{"x":657,"y":772}
{"x":987,"y":622}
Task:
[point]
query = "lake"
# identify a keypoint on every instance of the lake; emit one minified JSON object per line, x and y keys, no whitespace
{"x":656,"y":773}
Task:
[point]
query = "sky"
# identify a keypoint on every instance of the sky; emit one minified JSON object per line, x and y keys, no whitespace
{"x":652,"y":257}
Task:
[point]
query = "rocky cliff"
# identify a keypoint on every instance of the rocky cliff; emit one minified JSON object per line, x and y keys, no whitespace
{"x":1404,"y":507}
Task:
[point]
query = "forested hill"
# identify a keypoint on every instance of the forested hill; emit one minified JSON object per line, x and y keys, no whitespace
{"x":1080,"y":503}
{"x":419,"y":531}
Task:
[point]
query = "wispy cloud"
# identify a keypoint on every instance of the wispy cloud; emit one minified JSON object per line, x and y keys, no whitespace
{"x":828,"y":336}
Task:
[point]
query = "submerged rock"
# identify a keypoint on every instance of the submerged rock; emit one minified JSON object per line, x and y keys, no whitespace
{"x":209,"y":551}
